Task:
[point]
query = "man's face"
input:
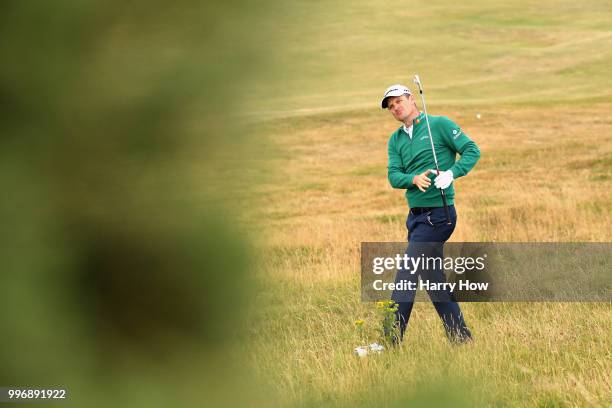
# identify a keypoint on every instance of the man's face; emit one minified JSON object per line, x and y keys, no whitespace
{"x":401,"y":106}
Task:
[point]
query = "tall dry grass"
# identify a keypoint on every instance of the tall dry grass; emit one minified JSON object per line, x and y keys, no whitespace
{"x":544,"y":175}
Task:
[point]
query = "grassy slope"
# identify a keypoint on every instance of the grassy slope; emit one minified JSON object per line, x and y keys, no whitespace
{"x":472,"y":52}
{"x":539,"y":77}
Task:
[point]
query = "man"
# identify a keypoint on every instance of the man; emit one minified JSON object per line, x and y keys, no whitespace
{"x":410,"y":166}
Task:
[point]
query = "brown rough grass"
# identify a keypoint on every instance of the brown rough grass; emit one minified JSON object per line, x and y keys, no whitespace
{"x":544,"y":175}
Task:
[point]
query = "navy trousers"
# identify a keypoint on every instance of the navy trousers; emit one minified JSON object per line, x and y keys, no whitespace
{"x":427,"y":233}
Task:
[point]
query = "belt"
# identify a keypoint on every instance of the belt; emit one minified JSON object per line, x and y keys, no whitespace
{"x":421,"y":210}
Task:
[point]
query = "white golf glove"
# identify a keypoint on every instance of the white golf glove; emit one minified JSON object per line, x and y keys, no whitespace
{"x":444,"y":179}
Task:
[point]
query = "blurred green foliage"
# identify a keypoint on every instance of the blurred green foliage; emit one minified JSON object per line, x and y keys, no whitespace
{"x":124,"y":275}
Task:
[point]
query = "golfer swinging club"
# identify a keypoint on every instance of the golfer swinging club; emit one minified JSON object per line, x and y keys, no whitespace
{"x":426,"y":146}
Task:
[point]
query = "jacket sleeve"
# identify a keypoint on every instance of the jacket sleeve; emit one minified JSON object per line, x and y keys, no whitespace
{"x":459,"y":142}
{"x":395,"y":170}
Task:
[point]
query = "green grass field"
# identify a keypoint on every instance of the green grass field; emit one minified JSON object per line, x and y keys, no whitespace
{"x":539,"y":75}
{"x":336,"y":57}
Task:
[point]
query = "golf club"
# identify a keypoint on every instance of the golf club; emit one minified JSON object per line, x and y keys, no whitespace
{"x":417,"y":81}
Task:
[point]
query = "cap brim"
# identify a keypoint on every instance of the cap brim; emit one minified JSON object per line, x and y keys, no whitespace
{"x":384,"y":104}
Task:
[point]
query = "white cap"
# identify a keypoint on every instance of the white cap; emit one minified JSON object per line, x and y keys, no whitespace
{"x":394,"y":90}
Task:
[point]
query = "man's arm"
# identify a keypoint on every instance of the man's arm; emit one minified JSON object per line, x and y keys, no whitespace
{"x":459,"y":142}
{"x":397,"y":178}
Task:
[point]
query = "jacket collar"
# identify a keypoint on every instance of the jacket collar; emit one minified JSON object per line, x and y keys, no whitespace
{"x":419,"y":118}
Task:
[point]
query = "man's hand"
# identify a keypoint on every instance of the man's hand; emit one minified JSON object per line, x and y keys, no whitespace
{"x":422,"y":181}
{"x":444,"y":179}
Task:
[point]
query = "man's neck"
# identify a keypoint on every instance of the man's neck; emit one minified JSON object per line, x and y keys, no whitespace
{"x":408,"y":122}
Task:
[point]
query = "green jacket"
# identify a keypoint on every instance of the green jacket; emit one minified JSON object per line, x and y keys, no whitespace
{"x":409,"y":157}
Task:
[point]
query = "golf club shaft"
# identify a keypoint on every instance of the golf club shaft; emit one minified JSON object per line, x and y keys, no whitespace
{"x":417,"y":80}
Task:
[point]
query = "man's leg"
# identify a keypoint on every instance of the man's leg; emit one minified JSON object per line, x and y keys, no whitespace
{"x":454,"y":324}
{"x":401,"y":318}
{"x":419,"y":245}
{"x":444,"y":302}
{"x":404,"y":299}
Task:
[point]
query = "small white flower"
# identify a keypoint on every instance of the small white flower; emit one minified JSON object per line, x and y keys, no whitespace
{"x":361,"y":351}
{"x":478,"y":116}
